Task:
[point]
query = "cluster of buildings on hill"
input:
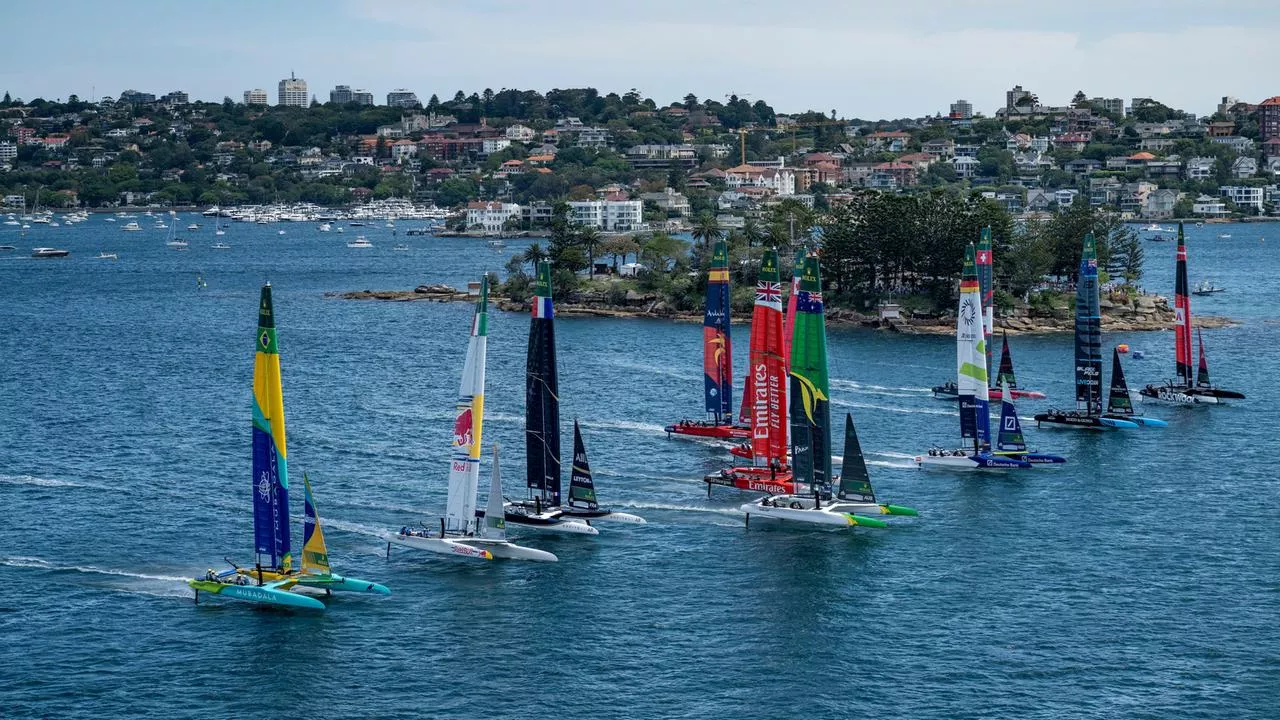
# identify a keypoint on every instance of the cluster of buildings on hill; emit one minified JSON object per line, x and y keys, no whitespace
{"x":1138,"y":157}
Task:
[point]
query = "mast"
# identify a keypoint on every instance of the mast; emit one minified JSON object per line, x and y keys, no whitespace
{"x":767,"y":372}
{"x":810,"y":388}
{"x":986,"y":285}
{"x":971,"y":358}
{"x":270,"y":463}
{"x":495,"y":519}
{"x":1088,"y":332}
{"x":542,"y":397}
{"x":315,"y":554}
{"x":582,"y":489}
{"x":717,"y":352}
{"x":1182,"y":313}
{"x":468,"y":423}
{"x":1118,"y":400}
{"x":855,"y":481}
{"x":1005,"y":376}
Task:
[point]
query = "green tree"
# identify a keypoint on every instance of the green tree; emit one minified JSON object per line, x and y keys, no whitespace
{"x":706,"y":230}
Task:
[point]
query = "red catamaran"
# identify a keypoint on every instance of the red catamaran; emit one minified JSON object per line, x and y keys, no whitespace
{"x":717,"y":360}
{"x":766,"y":397}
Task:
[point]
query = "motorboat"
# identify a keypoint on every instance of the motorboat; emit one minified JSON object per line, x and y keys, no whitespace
{"x":107,"y":256}
{"x":132,"y":227}
{"x":44,"y":252}
{"x":360,"y":242}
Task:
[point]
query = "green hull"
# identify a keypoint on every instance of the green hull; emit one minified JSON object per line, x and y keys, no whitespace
{"x":256,"y":594}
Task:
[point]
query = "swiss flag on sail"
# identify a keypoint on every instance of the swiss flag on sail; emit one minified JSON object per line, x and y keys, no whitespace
{"x":984,"y":257}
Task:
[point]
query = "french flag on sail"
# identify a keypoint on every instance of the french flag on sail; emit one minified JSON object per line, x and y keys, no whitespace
{"x":542,"y":307}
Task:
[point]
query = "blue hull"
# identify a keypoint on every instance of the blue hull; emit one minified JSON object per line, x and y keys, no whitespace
{"x":1150,"y":422}
{"x":266,"y":596}
{"x":997,"y":462}
{"x":338,"y":583}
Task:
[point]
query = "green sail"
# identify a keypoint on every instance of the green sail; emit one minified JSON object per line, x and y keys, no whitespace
{"x":810,"y":387}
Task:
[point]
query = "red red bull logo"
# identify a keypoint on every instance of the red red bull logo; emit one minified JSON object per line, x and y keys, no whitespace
{"x":462,"y":436}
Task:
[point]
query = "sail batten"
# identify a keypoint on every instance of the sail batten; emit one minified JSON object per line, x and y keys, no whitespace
{"x":766,"y":386}
{"x":810,"y":387}
{"x":542,"y":396}
{"x":717,"y":350}
{"x":464,"y":460}
{"x":270,"y":457}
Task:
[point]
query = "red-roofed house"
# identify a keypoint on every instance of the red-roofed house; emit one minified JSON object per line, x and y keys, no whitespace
{"x":1269,"y":118}
{"x":892,"y":175}
{"x":510,"y":167}
{"x":1074,"y":141}
{"x":921,"y":161}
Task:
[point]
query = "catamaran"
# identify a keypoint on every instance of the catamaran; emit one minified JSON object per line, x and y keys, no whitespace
{"x":464,"y":532}
{"x":1012,"y":444}
{"x":765,"y":400}
{"x":971,"y":374}
{"x":273,"y":582}
{"x":543,"y":509}
{"x":717,"y":360}
{"x":1120,"y":402}
{"x":1184,"y":390}
{"x":1088,"y":354}
{"x":983,"y":259}
{"x":810,"y":394}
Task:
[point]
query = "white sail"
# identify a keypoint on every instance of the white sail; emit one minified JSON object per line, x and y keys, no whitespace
{"x":495,"y":524}
{"x":971,"y":356}
{"x":464,"y":461}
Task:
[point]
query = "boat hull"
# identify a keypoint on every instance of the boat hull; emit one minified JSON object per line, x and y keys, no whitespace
{"x":603,"y":514}
{"x":1035,"y":458}
{"x":971,"y":461}
{"x":476,"y":548}
{"x":1082,"y":422}
{"x":256,"y":594}
{"x":752,"y":480}
{"x":724,"y":431}
{"x":339,"y":583}
{"x":551,"y":521}
{"x":794,"y":508}
{"x":943,"y":392}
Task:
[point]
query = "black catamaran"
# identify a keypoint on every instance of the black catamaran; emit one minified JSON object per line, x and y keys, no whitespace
{"x":543,"y":509}
{"x":1088,"y":369}
{"x":1184,"y":389}
{"x":1120,"y":402}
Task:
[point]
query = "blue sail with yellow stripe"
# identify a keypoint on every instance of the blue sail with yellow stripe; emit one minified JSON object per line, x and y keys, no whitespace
{"x":270,"y":463}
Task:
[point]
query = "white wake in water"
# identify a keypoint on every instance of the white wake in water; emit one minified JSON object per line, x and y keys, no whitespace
{"x":353,"y":527}
{"x":900,"y":391}
{"x":889,"y":408}
{"x":153,"y":585}
{"x":668,"y":372}
{"x":48,"y":482}
{"x":623,"y":425}
{"x":679,"y":508}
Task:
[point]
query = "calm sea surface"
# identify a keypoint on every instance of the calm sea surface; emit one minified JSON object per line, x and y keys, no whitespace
{"x":1140,"y":580}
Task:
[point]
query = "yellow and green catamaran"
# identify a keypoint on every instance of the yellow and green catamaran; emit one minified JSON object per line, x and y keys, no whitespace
{"x":273,"y":579}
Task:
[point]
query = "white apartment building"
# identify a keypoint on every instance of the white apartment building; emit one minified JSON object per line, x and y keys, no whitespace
{"x":8,"y":151}
{"x":520,"y":133}
{"x":621,"y":215}
{"x":256,"y":96}
{"x":292,"y":92}
{"x":493,"y":145}
{"x":491,"y":216}
{"x":1245,"y":197}
{"x":780,"y":180}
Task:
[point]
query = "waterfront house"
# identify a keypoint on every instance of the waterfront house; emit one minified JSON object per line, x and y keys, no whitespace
{"x":1159,"y":204}
{"x":1209,"y":206}
{"x":1246,"y":198}
{"x":608,"y":215}
{"x":490,"y":216}
{"x":1103,"y":191}
{"x":781,"y":181}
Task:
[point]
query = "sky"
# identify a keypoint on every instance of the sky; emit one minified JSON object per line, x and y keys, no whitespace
{"x":862,"y":58}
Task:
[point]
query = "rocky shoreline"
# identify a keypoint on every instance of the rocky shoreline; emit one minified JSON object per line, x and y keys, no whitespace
{"x":1145,"y":313}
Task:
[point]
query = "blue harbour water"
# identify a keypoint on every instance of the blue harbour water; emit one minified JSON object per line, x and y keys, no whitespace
{"x":1140,"y":580}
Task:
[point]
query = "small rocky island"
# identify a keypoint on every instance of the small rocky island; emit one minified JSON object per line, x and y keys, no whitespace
{"x":1120,"y":313}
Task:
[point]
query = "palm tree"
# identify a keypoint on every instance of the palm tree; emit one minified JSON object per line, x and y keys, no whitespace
{"x":751,"y":233}
{"x":707,"y":230}
{"x":589,"y":237}
{"x":534,"y":255}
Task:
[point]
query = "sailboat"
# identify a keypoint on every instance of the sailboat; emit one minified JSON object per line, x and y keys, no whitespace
{"x":1088,"y":355}
{"x":717,"y":360}
{"x":811,"y":432}
{"x":971,"y":374}
{"x":983,"y":259}
{"x":1010,"y":441}
{"x":273,"y":579}
{"x":464,"y":532}
{"x":765,"y":400}
{"x":1183,"y":390}
{"x":1120,"y":402}
{"x":543,"y":509}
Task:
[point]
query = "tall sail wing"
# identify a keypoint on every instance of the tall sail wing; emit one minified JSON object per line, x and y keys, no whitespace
{"x":542,"y":396}
{"x":810,"y":387}
{"x":1182,"y":313}
{"x":1119,"y":402}
{"x":1009,"y":438}
{"x":986,"y":285}
{"x":1088,"y":331}
{"x":582,"y":490}
{"x":766,"y":374}
{"x":468,"y":421}
{"x":315,"y":555}
{"x":495,"y":519}
{"x":971,"y":357}
{"x":270,"y":462}
{"x":789,"y":322}
{"x":1202,"y":373}
{"x":855,"y":481}
{"x":1006,"y":377}
{"x":717,"y":352}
